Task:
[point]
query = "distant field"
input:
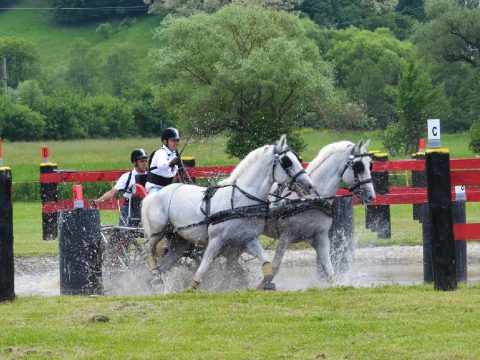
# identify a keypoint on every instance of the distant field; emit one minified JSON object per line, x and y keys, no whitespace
{"x":55,"y":42}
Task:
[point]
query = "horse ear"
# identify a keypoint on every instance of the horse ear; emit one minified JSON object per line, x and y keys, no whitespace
{"x":366,"y":145}
{"x":282,"y":143}
{"x":360,"y":144}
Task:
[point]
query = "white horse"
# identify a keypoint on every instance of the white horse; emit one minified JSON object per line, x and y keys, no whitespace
{"x":231,"y":215}
{"x":335,"y":162}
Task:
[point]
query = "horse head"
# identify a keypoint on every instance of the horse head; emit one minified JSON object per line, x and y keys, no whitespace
{"x":356,"y":172}
{"x":290,"y":169}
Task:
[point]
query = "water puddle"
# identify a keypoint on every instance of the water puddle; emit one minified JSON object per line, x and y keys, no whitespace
{"x":373,"y":266}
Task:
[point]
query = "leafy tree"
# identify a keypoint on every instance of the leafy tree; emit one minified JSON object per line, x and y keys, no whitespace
{"x":84,"y":68}
{"x":148,"y":117}
{"x":22,"y":59}
{"x":190,"y":7}
{"x":63,"y":114}
{"x":19,"y":123}
{"x":363,"y":14}
{"x":106,"y":116}
{"x":104,"y":30}
{"x":416,"y":101}
{"x":29,"y":93}
{"x":451,"y":34}
{"x":240,"y":70}
{"x":449,"y":41}
{"x":121,"y":67}
{"x":369,"y":65}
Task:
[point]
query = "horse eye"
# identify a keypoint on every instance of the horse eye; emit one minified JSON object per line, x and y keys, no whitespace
{"x":286,"y":162}
{"x":358,"y":167}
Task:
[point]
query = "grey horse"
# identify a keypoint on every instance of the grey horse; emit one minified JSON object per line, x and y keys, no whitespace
{"x":335,"y":162}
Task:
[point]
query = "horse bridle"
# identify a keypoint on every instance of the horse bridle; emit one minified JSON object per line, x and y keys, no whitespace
{"x":357,"y":167}
{"x":286,"y":164}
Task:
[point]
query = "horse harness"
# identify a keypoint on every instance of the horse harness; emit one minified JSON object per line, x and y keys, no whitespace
{"x":260,"y":210}
{"x":357,"y":167}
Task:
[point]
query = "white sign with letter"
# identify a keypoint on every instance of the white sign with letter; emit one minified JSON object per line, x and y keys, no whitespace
{"x":434,"y":133}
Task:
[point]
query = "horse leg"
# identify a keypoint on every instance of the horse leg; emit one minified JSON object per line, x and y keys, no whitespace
{"x":238,"y":273}
{"x":324,"y":262}
{"x":151,"y":251}
{"x":213,"y":247}
{"x":255,"y":249}
{"x":282,"y":246}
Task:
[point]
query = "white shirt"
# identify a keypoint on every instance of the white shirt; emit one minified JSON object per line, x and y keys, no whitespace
{"x":161,"y":160}
{"x":122,"y":183}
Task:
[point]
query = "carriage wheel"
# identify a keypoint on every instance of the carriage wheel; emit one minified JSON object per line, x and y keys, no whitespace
{"x":122,"y":253}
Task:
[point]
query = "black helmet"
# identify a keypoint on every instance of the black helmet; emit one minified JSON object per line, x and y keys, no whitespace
{"x":170,"y":133}
{"x":138,"y":154}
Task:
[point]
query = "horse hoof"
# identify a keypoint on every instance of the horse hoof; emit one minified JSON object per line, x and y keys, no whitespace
{"x":156,"y":281}
{"x":270,"y":286}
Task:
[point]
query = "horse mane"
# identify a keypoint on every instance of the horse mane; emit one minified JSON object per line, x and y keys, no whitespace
{"x":326,"y":152}
{"x":252,"y":157}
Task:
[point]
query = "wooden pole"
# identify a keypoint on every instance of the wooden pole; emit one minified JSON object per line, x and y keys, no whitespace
{"x":7,"y":288}
{"x":440,"y":218}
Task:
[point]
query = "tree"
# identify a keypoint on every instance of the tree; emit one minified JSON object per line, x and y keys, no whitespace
{"x":190,"y":7}
{"x":451,"y":33}
{"x":368,"y":66}
{"x":416,"y":101}
{"x":84,"y":67}
{"x":121,"y":67}
{"x":29,"y":93}
{"x":241,"y":66}
{"x":19,"y":123}
{"x":22,"y":59}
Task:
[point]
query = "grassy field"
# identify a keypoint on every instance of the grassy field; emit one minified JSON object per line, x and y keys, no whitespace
{"x":24,"y":157}
{"x":389,"y":322}
{"x":54,"y":42}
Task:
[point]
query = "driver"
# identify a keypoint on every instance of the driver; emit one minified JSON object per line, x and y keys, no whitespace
{"x":163,"y":163}
{"x":138,"y":157}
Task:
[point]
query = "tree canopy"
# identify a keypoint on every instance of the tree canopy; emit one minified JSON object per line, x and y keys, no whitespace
{"x":22,"y":59}
{"x":369,"y":65}
{"x":249,"y":70}
{"x":452,"y":32}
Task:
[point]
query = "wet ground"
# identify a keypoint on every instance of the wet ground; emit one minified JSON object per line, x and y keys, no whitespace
{"x":373,"y":266}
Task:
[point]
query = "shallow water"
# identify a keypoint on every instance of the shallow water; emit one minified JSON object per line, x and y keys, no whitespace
{"x":373,"y":266}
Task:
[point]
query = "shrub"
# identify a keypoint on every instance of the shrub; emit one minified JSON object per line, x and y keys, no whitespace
{"x":104,"y":30}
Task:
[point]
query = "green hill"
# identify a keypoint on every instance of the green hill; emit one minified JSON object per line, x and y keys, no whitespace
{"x":54,"y":42}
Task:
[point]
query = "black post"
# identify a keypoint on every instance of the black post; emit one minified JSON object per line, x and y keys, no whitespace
{"x":427,"y":246}
{"x":80,"y":252}
{"x":370,"y":214}
{"x":419,"y":179}
{"x":440,"y":218}
{"x":7,"y":288}
{"x":459,"y":214}
{"x":49,"y":193}
{"x":342,"y":240}
{"x":377,"y":217}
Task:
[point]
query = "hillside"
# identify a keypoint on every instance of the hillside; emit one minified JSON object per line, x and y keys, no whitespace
{"x":54,"y":42}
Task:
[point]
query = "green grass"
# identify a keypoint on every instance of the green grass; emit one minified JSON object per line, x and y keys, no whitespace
{"x":54,"y":42}
{"x":24,"y":157}
{"x":389,"y":322}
